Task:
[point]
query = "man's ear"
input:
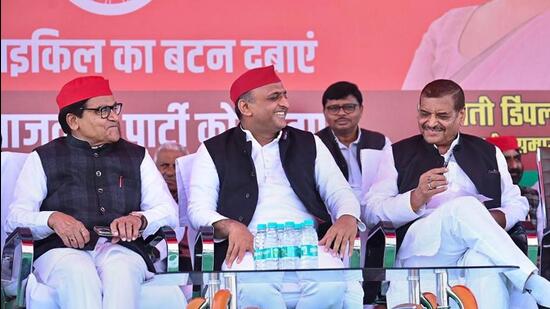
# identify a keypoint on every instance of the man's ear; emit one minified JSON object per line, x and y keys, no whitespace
{"x":462,"y":116}
{"x":244,"y":108}
{"x":72,"y":121}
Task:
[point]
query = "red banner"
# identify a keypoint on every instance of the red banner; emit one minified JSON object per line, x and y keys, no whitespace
{"x":171,"y":63}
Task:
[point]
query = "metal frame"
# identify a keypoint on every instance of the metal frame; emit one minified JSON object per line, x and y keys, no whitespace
{"x":17,"y":259}
{"x":543,"y":154}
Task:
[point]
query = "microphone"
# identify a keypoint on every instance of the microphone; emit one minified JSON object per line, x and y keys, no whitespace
{"x":452,"y":150}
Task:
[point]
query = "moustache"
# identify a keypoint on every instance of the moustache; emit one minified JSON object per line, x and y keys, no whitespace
{"x":435,"y":128}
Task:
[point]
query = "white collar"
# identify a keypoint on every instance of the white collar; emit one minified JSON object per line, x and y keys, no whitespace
{"x":250,"y":137}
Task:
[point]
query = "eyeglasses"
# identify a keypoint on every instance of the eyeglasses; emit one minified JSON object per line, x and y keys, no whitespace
{"x":348,"y":108}
{"x":105,"y":111}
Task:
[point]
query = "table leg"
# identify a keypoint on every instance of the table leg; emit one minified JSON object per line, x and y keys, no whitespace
{"x":231,"y":284}
{"x":441,"y":283}
{"x":414,"y":286}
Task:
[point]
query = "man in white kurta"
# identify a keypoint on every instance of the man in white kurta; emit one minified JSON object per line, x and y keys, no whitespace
{"x":451,"y":225}
{"x":355,"y":150}
{"x":75,"y":182}
{"x":262,"y":105}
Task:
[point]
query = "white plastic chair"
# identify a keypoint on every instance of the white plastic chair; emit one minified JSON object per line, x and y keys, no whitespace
{"x":12,"y":162}
{"x":183,"y":176}
{"x":23,"y":288}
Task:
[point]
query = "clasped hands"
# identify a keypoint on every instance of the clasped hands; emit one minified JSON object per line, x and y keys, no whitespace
{"x":240,"y":240}
{"x":74,"y":234}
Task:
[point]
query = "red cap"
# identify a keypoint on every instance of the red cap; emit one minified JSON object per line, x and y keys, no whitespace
{"x":252,"y":79}
{"x":504,"y":142}
{"x":82,"y":88}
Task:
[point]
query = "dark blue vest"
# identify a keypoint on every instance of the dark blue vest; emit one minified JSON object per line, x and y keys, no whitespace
{"x":368,"y":140}
{"x":238,"y":193}
{"x":413,"y":157}
{"x":95,"y":186}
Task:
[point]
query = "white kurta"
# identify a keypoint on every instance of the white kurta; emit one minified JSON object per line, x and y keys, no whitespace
{"x":454,"y":225}
{"x":277,"y":202}
{"x":54,"y":269}
{"x":361,"y":172}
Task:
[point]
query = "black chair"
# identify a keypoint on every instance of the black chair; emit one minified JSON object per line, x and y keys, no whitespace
{"x":543,"y":166}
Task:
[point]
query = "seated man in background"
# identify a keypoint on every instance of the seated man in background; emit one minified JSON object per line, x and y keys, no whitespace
{"x":265,"y":171}
{"x":165,"y":160}
{"x":91,"y":177}
{"x":343,"y":108}
{"x":352,"y":146}
{"x":510,"y":149}
{"x":430,"y":189}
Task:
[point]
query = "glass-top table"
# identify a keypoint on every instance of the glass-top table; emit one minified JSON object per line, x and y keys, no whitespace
{"x":230,"y":279}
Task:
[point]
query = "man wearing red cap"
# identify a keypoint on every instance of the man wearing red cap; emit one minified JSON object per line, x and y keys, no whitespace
{"x":510,"y":149}
{"x":452,"y":200}
{"x":91,"y":177}
{"x":264,"y":171}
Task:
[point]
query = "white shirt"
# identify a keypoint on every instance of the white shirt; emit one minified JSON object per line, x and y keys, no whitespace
{"x":157,"y":204}
{"x":277,"y":202}
{"x":354,"y":169}
{"x":385,"y":203}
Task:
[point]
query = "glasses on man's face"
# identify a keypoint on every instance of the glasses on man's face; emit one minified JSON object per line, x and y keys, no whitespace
{"x":105,"y":111}
{"x":348,"y":108}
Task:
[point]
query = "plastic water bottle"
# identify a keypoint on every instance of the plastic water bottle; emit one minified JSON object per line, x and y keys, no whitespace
{"x":259,"y":246}
{"x":280,"y":245}
{"x":290,"y":247}
{"x":271,"y":247}
{"x":308,"y":246}
{"x":298,"y":236}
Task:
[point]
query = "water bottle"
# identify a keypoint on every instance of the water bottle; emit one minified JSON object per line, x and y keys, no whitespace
{"x":308,"y":246}
{"x":259,"y":246}
{"x":280,"y":245}
{"x":290,"y":247}
{"x":271,"y":247}
{"x":298,"y":236}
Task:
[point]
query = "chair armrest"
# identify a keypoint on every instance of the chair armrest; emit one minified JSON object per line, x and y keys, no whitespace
{"x":381,"y":245}
{"x":380,"y":253}
{"x":355,"y":258}
{"x":204,"y":249}
{"x":167,"y":234}
{"x":526,"y":232}
{"x":17,"y":258}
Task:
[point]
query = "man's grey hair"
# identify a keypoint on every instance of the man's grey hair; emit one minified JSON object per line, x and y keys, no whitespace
{"x":171,"y":146}
{"x":248,"y":97}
